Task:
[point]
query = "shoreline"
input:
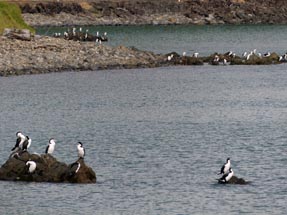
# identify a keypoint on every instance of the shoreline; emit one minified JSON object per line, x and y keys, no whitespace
{"x":148,"y":12}
{"x":44,"y":54}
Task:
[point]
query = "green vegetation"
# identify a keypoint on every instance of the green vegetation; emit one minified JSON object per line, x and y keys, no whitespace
{"x":10,"y":17}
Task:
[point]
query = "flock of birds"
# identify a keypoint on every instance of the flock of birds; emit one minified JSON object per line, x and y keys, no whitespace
{"x":229,"y":55}
{"x":24,"y":142}
{"x":80,"y":35}
{"x":226,"y":172}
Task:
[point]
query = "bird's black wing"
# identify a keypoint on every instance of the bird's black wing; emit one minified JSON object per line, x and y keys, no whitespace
{"x":17,"y":143}
{"x":46,"y":151}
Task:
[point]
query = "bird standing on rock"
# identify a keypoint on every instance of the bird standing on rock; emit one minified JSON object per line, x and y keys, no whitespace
{"x":81,"y":150}
{"x":20,"y":140}
{"x":51,"y":147}
{"x":26,"y":143}
{"x":31,"y":166}
{"x":225,"y":167}
{"x":226,"y":177}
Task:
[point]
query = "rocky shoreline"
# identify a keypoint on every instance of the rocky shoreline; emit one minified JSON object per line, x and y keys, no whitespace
{"x":43,"y":54}
{"x":141,"y":12}
{"x":48,"y":54}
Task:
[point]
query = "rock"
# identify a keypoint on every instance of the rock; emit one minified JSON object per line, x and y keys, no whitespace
{"x":236,"y":180}
{"x":48,"y":169}
{"x":20,"y":34}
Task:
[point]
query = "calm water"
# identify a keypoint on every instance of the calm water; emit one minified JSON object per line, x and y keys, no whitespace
{"x":203,"y":39}
{"x":155,"y":137}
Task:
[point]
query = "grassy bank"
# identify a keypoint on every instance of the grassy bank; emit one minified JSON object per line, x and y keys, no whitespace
{"x":10,"y":17}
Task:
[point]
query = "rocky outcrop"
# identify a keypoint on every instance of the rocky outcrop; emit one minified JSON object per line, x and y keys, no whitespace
{"x":138,"y":12}
{"x":48,"y":169}
{"x":48,"y":54}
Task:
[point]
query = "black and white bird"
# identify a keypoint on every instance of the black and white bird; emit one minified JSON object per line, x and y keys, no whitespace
{"x":81,"y":150}
{"x":31,"y":166}
{"x":227,"y":176}
{"x":225,"y":167}
{"x":26,"y":143}
{"x":20,"y":140}
{"x":51,"y":147}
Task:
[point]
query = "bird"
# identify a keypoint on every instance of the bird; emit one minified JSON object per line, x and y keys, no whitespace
{"x":26,"y":143}
{"x":20,"y":139}
{"x":81,"y":150}
{"x":183,"y":54}
{"x":51,"y":147}
{"x":31,"y":166}
{"x":225,"y":167}
{"x":195,"y":54}
{"x":267,"y":54}
{"x":74,"y":168}
{"x":227,"y":176}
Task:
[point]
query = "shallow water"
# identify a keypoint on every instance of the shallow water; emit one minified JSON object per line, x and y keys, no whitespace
{"x":155,"y":137}
{"x":191,"y":38}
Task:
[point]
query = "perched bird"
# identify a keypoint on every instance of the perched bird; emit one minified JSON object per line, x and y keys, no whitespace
{"x":31,"y":166}
{"x":20,"y":139}
{"x":51,"y":147}
{"x":74,"y":168}
{"x":26,"y":143}
{"x":81,"y":150}
{"x":225,"y":167}
{"x":195,"y":54}
{"x":227,"y":176}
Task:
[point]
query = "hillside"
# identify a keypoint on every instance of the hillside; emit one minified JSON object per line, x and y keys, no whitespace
{"x":10,"y":17}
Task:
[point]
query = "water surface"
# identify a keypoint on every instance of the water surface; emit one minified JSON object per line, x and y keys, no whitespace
{"x":155,"y":137}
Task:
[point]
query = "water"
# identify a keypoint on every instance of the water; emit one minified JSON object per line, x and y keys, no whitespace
{"x":155,"y":137}
{"x":188,"y":38}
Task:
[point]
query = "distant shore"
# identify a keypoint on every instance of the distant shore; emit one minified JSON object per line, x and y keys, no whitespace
{"x":141,"y":12}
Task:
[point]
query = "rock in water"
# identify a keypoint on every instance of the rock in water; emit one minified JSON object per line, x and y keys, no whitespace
{"x":235,"y":180}
{"x":48,"y":169}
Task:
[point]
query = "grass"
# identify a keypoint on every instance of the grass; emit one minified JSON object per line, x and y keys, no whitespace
{"x":10,"y":17}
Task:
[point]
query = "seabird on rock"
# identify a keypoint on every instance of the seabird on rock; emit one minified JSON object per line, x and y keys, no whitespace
{"x":20,"y":139}
{"x":81,"y":150}
{"x":227,"y":176}
{"x":26,"y":143}
{"x":31,"y":166}
{"x":51,"y":147}
{"x":74,"y":169}
{"x":267,"y":54}
{"x":225,"y":167}
{"x":195,"y":54}
{"x":183,"y":54}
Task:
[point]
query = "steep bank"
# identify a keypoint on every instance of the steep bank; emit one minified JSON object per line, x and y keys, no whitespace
{"x":10,"y":17}
{"x":138,"y":12}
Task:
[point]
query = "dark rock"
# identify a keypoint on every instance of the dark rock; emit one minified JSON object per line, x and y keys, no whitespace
{"x":48,"y":169}
{"x":235,"y":180}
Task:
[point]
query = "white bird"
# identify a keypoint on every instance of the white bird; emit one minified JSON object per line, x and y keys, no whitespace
{"x":227,"y":176}
{"x":195,"y":54}
{"x":31,"y":166}
{"x":26,"y":143}
{"x":224,"y":169}
{"x":19,"y":142}
{"x":80,"y":29}
{"x":81,"y":150}
{"x":51,"y":147}
{"x":183,"y":54}
{"x":224,"y":61}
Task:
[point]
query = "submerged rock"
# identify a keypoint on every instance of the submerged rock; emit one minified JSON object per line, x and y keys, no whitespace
{"x":48,"y":169}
